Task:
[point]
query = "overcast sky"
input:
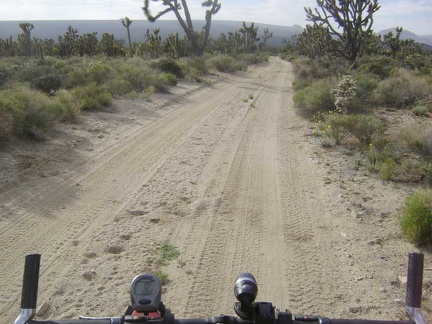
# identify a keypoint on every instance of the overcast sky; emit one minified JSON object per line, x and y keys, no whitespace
{"x":412,"y":15}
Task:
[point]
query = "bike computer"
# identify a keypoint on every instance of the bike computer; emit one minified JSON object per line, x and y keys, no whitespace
{"x":145,"y":293}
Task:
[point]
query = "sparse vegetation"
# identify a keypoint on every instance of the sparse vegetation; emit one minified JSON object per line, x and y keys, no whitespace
{"x":36,"y":93}
{"x":162,"y":276}
{"x":168,"y":253}
{"x":416,"y":221}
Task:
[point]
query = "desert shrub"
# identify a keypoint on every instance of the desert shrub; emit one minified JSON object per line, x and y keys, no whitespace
{"x":373,"y":157}
{"x":195,"y":66}
{"x":401,"y":91}
{"x":226,"y":63}
{"x":423,"y":144}
{"x":338,"y":127}
{"x":170,"y":66}
{"x":28,"y":113}
{"x":313,"y":69}
{"x":119,"y":87}
{"x":9,"y":67}
{"x":288,"y":56}
{"x":366,"y":128}
{"x":4,"y":78}
{"x":300,"y":84}
{"x":92,"y":72}
{"x":254,"y":58}
{"x":92,"y":97}
{"x":416,"y":220}
{"x":6,"y":122}
{"x":48,"y":84}
{"x":426,"y":172}
{"x":163,"y":80}
{"x":168,"y":79}
{"x":315,"y":98}
{"x":67,"y":106}
{"x":386,"y":168}
{"x":31,"y":69}
{"x":139,"y":77}
{"x":365,"y":86}
{"x":417,"y":139}
{"x":99,"y":73}
{"x":381,"y":66}
{"x":421,"y":110}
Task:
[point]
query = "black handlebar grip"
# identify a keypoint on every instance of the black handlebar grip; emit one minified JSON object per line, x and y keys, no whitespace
{"x":30,"y":281}
{"x":414,"y":280}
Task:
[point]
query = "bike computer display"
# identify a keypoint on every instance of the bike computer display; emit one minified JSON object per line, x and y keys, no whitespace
{"x":145,"y":293}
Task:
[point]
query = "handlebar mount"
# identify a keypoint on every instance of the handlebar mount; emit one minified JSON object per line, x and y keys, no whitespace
{"x":245,"y":290}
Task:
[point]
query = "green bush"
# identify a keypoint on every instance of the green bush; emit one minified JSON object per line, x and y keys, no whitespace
{"x":139,"y":77}
{"x":90,"y":72}
{"x":401,"y":91}
{"x":163,"y":80}
{"x":315,"y":98}
{"x":4,"y":78}
{"x":27,"y":113}
{"x":119,"y":87}
{"x":418,"y":139}
{"x":421,"y":110}
{"x":254,"y":58}
{"x":170,"y":66}
{"x":66,"y":106}
{"x":195,"y":66}
{"x":226,"y":63}
{"x":30,"y":69}
{"x":423,"y":145}
{"x":366,"y":128}
{"x":339,"y":127}
{"x":365,"y":86}
{"x":48,"y":84}
{"x":6,"y":123}
{"x":381,"y":66}
{"x":416,"y":221}
{"x":323,"y":68}
{"x":387,"y":168}
{"x":92,"y":97}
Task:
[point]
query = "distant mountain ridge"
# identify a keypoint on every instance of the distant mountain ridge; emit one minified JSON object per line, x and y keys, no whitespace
{"x":406,"y":34}
{"x":53,"y":28}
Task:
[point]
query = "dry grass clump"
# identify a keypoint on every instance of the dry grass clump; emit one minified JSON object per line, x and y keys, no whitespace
{"x":402,"y":90}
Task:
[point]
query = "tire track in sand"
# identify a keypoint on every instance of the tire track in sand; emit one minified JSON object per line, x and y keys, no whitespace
{"x":104,"y":190}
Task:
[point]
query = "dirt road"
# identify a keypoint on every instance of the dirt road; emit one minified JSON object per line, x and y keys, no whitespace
{"x":226,"y":174}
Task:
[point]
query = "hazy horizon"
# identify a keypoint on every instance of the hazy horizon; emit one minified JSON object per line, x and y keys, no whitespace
{"x":412,"y":15}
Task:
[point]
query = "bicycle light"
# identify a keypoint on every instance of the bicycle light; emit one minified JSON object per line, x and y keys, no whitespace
{"x":245,"y":290}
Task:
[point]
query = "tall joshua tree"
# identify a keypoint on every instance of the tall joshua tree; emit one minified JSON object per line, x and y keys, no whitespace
{"x":198,"y":43}
{"x":349,"y":22}
{"x":127,"y":22}
{"x":26,"y":37}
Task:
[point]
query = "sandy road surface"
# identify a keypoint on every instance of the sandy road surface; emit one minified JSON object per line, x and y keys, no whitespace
{"x":234,"y":185}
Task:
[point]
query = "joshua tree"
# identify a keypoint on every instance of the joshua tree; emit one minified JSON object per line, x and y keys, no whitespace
{"x":393,"y":42}
{"x":25,"y":38}
{"x":349,"y":22}
{"x":315,"y":41}
{"x":198,"y":43}
{"x":267,"y":35}
{"x":249,"y":37}
{"x":127,"y":22}
{"x":66,"y":43}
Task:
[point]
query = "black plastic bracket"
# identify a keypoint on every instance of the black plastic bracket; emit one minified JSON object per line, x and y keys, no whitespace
{"x":264,"y":313}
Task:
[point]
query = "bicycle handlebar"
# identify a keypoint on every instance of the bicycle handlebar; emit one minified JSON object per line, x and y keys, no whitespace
{"x":233,"y":320}
{"x":249,"y":312}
